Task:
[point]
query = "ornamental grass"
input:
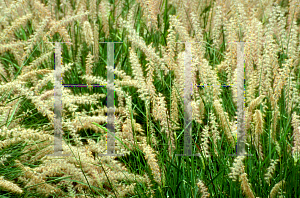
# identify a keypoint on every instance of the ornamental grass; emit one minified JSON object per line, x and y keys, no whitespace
{"x":150,"y":98}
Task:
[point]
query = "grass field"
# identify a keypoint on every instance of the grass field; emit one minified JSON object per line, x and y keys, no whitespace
{"x":149,"y":98}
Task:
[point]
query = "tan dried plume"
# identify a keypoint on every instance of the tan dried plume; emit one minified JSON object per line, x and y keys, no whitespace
{"x":246,"y":187}
{"x":150,"y":156}
{"x":203,"y":189}
{"x":104,"y":9}
{"x":296,"y":134}
{"x":271,"y":170}
{"x":10,"y":186}
{"x":151,"y":9}
{"x":160,"y":113}
{"x":174,"y":109}
{"x":259,"y":123}
{"x":238,"y":168}
{"x":250,"y":109}
{"x":205,"y":142}
{"x":276,"y":188}
{"x":88,"y":33}
{"x":224,"y":121}
{"x":8,"y":33}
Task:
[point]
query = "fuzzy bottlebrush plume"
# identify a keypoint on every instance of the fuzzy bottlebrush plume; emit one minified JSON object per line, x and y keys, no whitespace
{"x":127,"y":127}
{"x":215,"y":132}
{"x":89,"y":67}
{"x":205,"y":142}
{"x":280,"y":79}
{"x":157,"y":62}
{"x":230,"y":61}
{"x":29,"y":173}
{"x":249,"y":110}
{"x":292,"y":95}
{"x":276,"y":189}
{"x":151,"y":9}
{"x":174,"y":109}
{"x":104,"y":10}
{"x":11,"y":47}
{"x":259,"y":122}
{"x":238,"y":171}
{"x":8,"y":33}
{"x":217,"y":25}
{"x":238,"y":168}
{"x":150,"y":156}
{"x":271,"y":170}
{"x":246,"y":187}
{"x":203,"y":189}
{"x":88,"y":33}
{"x":180,"y":29}
{"x":60,"y":26}
{"x":160,"y":113}
{"x":138,"y":75}
{"x":40,"y":9}
{"x":224,"y":121}
{"x":3,"y":73}
{"x":170,"y":49}
{"x":35,"y":37}
{"x":296,"y":133}
{"x":198,"y":110}
{"x":96,"y":41}
{"x":10,"y":186}
{"x":93,"y":9}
